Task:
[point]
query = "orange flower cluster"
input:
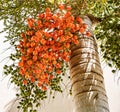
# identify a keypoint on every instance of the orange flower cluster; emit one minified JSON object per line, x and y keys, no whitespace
{"x":45,"y":47}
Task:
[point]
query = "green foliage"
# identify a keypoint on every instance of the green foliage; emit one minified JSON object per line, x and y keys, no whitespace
{"x":15,"y":12}
{"x":30,"y":95}
{"x":108,"y":31}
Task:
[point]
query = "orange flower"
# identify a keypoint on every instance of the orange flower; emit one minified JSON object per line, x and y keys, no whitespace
{"x":22,"y":71}
{"x":50,"y":68}
{"x":23,"y":35}
{"x":51,"y":77}
{"x":51,"y":42}
{"x":25,"y":82}
{"x":38,"y":34}
{"x":88,"y":34}
{"x":62,"y":39}
{"x":29,"y":62}
{"x":77,"y":27}
{"x":44,"y":88}
{"x":39,"y":84}
{"x":58,"y":65}
{"x":58,"y":72}
{"x":41,"y":16}
{"x":29,"y":33}
{"x":60,"y":32}
{"x":29,"y":50}
{"x":47,"y":9}
{"x":21,"y":63}
{"x":32,"y":44}
{"x":78,"y":19}
{"x":82,"y":30}
{"x":43,"y":41}
{"x":76,"y":41}
{"x":46,"y":46}
{"x":39,"y":23}
{"x":35,"y":52}
{"x":37,"y":71}
{"x":30,"y":24}
{"x":84,"y":26}
{"x":54,"y":62}
{"x":54,"y":17}
{"x":27,"y":75}
{"x":34,"y":58}
{"x":23,"y":58}
{"x":67,"y":45}
{"x":61,"y":6}
{"x":32,"y":79}
{"x":43,"y":77}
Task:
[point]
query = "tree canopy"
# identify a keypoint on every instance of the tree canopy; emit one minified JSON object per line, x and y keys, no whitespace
{"x":105,"y":12}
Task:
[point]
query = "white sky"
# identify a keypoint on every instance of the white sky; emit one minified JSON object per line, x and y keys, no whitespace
{"x":62,"y":103}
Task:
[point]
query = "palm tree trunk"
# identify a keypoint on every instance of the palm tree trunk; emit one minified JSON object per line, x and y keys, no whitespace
{"x":88,"y":88}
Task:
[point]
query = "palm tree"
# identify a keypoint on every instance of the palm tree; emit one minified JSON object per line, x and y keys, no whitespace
{"x":85,"y":70}
{"x":86,"y":75}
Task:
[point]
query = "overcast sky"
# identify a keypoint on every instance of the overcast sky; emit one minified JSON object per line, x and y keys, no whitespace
{"x":62,"y":103}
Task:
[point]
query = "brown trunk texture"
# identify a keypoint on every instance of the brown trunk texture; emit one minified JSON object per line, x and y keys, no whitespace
{"x":88,"y":88}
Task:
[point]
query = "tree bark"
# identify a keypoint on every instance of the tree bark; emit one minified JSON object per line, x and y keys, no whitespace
{"x":87,"y":80}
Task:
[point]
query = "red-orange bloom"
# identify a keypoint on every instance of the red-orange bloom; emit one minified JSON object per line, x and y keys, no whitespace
{"x":88,"y":34}
{"x":25,"y":82}
{"x":45,"y":47}
{"x":61,"y":6}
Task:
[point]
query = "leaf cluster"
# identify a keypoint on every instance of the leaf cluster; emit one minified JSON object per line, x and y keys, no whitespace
{"x":108,"y":32}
